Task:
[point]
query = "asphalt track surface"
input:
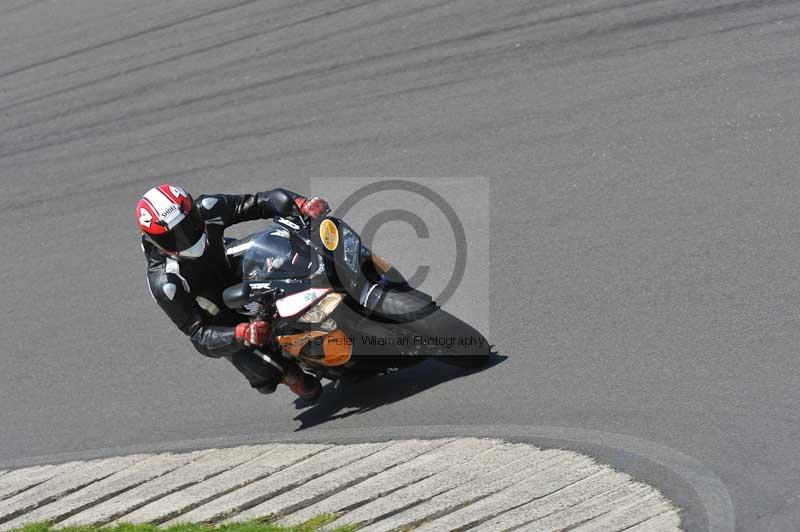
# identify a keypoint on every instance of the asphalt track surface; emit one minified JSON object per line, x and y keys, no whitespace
{"x":643,"y":161}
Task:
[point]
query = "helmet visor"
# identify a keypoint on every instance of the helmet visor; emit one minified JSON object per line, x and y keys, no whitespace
{"x":183,"y":236}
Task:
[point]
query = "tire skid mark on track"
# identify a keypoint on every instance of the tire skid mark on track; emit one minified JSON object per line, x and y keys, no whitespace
{"x":154,"y":87}
{"x":20,"y":7}
{"x":178,"y":57}
{"x":79,"y":132}
{"x":692,"y":14}
{"x":153,"y":29}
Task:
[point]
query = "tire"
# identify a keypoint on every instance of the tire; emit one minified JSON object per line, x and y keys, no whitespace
{"x":419,"y":317}
{"x":477,"y":351}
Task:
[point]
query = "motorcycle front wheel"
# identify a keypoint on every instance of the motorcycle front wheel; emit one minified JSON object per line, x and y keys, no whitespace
{"x":439,"y":334}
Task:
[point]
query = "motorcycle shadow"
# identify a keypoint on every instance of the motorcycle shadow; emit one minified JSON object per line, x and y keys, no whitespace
{"x":352,"y":398}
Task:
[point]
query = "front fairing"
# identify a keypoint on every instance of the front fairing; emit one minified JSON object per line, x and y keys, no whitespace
{"x":287,"y":257}
{"x":349,"y":265}
{"x":278,"y":253}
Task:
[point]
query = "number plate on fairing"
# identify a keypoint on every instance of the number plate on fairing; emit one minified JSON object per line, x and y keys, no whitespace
{"x":296,"y":303}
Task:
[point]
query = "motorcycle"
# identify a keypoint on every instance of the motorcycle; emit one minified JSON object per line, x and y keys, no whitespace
{"x":339,"y":310}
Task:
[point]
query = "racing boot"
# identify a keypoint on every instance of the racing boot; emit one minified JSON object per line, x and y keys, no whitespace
{"x":306,"y":386}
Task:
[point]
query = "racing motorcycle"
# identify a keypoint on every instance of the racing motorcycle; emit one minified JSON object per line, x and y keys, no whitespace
{"x":339,"y":310}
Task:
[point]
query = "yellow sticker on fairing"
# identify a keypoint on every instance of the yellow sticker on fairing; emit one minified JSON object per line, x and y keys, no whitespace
{"x":329,"y":234}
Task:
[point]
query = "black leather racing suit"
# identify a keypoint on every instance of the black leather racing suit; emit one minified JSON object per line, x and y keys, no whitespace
{"x":190,"y":290}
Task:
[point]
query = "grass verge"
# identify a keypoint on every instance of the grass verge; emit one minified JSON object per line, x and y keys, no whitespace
{"x":251,"y":526}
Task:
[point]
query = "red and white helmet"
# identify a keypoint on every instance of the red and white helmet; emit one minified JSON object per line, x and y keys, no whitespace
{"x":169,"y":218}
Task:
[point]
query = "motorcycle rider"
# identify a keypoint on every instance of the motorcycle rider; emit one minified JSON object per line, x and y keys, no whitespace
{"x":188,"y":268}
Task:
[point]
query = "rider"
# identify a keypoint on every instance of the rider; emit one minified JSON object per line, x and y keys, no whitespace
{"x":188,"y":268}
